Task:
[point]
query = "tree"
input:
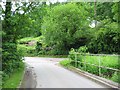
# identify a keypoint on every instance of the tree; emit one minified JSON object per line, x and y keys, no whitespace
{"x":66,"y":26}
{"x":107,"y":10}
{"x":11,"y":57}
{"x":106,"y":35}
{"x":29,"y":21}
{"x":107,"y":40}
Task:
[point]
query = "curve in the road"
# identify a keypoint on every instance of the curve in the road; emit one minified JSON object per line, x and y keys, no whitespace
{"x":50,"y":75}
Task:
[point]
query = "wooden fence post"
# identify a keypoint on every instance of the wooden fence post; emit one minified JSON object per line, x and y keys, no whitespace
{"x":75,"y":59}
{"x":85,"y":61}
{"x":99,"y":66}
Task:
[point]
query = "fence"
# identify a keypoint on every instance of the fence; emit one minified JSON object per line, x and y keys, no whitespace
{"x":99,"y":62}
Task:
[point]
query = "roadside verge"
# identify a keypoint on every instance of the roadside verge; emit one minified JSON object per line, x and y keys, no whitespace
{"x":97,"y":79}
{"x":29,"y":78}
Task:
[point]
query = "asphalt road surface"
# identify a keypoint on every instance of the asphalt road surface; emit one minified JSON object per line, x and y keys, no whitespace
{"x":46,"y":73}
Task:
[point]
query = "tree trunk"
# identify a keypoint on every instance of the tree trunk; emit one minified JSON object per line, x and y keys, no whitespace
{"x":95,"y":12}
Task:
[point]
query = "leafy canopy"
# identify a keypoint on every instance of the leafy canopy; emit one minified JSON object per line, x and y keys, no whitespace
{"x":65,"y":25}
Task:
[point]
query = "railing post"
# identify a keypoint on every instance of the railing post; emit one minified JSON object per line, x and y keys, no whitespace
{"x":79,"y":63}
{"x":99,"y":66}
{"x":69,"y":59}
{"x":75,"y":59}
{"x":85,"y":61}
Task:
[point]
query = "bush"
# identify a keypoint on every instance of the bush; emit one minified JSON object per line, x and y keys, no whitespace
{"x":71,"y":54}
{"x":83,"y":49}
{"x":106,"y":41}
{"x":11,"y":59}
{"x":38,"y":47}
{"x":116,"y":77}
{"x":26,"y":50}
{"x":65,"y":63}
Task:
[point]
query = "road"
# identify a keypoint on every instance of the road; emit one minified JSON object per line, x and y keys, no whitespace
{"x":48,"y":74}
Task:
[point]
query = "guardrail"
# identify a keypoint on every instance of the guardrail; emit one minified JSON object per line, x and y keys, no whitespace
{"x":99,"y":60}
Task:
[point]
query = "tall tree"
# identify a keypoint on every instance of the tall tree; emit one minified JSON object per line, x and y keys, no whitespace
{"x":65,"y":27}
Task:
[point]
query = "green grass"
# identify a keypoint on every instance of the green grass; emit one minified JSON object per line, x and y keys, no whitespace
{"x":65,"y":63}
{"x":28,"y":39}
{"x":109,"y":61}
{"x":14,"y":80}
{"x":106,"y":61}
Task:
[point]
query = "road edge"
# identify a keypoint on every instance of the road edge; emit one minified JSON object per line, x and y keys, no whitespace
{"x":22,"y":76}
{"x":28,"y":71}
{"x":95,"y":78}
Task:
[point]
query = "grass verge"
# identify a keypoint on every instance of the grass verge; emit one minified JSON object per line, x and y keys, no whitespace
{"x":54,"y":56}
{"x":65,"y":63}
{"x":15,"y":78}
{"x":68,"y":64}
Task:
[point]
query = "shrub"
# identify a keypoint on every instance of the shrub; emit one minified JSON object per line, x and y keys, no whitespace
{"x":83,"y":49}
{"x":65,"y":63}
{"x":115,"y":77}
{"x":106,"y":40}
{"x":26,"y":50}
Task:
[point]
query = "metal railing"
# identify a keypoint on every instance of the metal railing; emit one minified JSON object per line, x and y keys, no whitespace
{"x":99,"y":62}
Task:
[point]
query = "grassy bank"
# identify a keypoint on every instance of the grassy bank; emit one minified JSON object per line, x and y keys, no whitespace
{"x":106,"y":61}
{"x":15,"y":78}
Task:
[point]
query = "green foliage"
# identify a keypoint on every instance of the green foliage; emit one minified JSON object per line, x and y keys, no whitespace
{"x":104,"y":10}
{"x":1,"y":73}
{"x":108,"y":11}
{"x":63,"y":26}
{"x":30,"y":50}
{"x":115,"y":77}
{"x":14,"y":80}
{"x":106,"y":61}
{"x":65,"y":63}
{"x":11,"y":58}
{"x":82,"y":49}
{"x":26,"y":50}
{"x":66,"y":26}
{"x":28,"y":39}
{"x":38,"y":47}
{"x":71,"y":54}
{"x":107,"y":40}
{"x":116,"y":12}
{"x":37,"y":15}
{"x":28,"y":23}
